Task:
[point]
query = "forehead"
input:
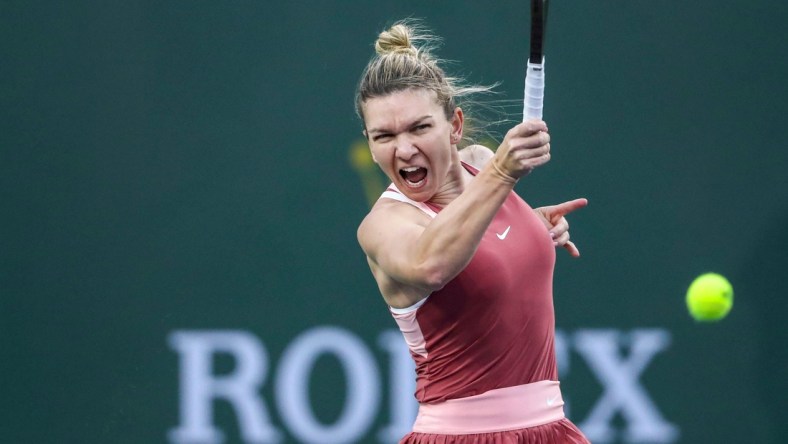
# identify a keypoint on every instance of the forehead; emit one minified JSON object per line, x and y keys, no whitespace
{"x":401,"y":107}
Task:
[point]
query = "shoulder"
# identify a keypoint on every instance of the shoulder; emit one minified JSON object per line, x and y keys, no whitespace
{"x":386,"y":220}
{"x":476,"y":155}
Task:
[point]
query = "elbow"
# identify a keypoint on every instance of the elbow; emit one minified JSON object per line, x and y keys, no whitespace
{"x":436,"y":277}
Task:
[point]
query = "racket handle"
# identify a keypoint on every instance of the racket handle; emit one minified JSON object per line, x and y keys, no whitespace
{"x":533,"y":102}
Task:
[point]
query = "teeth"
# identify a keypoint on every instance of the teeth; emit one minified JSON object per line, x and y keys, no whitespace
{"x":410,"y":169}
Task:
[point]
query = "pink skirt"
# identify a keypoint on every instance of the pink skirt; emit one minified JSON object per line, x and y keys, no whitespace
{"x":557,"y":432}
{"x":529,"y":413}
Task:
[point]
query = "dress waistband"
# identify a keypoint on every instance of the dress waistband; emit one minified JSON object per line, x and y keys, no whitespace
{"x":507,"y":408}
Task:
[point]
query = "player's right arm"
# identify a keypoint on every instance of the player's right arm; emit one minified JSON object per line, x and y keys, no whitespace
{"x":388,"y":236}
{"x":412,"y":255}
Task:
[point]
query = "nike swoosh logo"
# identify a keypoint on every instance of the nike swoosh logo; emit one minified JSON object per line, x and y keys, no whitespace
{"x":503,"y":235}
{"x":551,"y":401}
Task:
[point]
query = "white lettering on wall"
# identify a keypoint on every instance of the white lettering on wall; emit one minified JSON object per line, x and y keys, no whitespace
{"x":362,"y":381}
{"x":622,"y":391}
{"x":199,"y":386}
{"x":617,"y":359}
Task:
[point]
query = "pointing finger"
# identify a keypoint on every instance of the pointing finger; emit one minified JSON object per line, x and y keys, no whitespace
{"x":572,"y":205}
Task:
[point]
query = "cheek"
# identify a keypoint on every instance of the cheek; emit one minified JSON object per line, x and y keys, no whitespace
{"x":379,"y":154}
{"x":441,"y":141}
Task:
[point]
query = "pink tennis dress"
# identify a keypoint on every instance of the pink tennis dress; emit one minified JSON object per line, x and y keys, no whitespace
{"x":484,"y":344}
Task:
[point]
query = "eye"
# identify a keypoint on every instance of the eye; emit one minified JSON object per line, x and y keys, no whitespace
{"x":422,"y":127}
{"x":381,"y":137}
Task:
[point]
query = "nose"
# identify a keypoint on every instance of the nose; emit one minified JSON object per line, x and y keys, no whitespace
{"x":405,"y":148}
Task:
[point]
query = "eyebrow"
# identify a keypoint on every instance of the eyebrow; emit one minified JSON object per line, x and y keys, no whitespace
{"x":414,"y":122}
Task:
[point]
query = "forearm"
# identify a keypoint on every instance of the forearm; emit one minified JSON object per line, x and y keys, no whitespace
{"x":448,"y":243}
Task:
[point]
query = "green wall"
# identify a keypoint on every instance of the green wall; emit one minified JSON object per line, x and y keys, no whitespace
{"x":180,"y":185}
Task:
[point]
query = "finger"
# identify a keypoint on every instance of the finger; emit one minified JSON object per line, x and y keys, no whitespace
{"x":532,"y":163}
{"x":572,"y":249}
{"x":527,"y":153}
{"x":559,"y":227}
{"x":514,"y":141}
{"x":527,"y":138}
{"x":531,"y":142}
{"x":530,"y":126}
{"x":568,"y":207}
{"x":561,"y":240}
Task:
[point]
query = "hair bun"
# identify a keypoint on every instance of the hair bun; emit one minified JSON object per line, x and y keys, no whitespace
{"x":397,"y":39}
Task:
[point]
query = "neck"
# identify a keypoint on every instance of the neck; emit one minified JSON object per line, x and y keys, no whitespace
{"x":454,"y":183}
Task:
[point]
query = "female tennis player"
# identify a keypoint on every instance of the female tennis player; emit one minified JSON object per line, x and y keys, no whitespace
{"x":465,"y":265}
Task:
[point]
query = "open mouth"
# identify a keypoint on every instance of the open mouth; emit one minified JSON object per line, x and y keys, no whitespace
{"x":413,"y":175}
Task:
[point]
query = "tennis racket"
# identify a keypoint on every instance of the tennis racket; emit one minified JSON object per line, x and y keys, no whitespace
{"x":533,"y":102}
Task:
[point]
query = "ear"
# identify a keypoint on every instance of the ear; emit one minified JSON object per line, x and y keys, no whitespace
{"x":366,"y":137}
{"x":371,"y":153}
{"x":457,"y":121}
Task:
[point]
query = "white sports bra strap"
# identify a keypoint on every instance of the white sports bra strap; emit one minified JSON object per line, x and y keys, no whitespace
{"x":403,"y":198}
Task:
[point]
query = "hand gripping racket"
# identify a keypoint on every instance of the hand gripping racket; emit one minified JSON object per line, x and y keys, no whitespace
{"x":533,"y":102}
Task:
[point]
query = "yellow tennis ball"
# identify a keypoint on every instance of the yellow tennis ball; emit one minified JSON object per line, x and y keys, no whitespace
{"x":709,"y":297}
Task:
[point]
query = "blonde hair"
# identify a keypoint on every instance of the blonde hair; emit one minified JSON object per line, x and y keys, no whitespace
{"x":403,"y":61}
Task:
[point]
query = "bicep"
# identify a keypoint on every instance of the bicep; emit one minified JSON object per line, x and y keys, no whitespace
{"x":389,"y":240}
